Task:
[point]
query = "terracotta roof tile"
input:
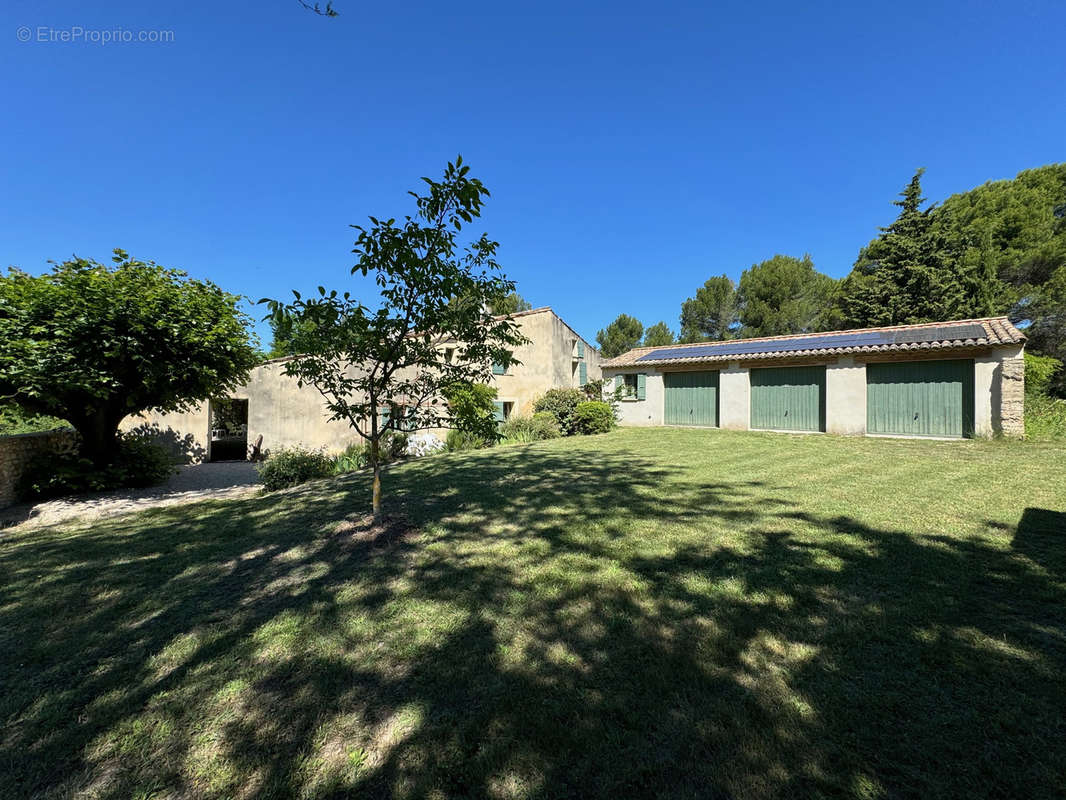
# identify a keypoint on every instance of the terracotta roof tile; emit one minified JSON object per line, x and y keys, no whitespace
{"x":998,"y":331}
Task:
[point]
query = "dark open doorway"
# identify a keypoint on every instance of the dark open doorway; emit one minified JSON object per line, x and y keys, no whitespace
{"x":229,"y":430}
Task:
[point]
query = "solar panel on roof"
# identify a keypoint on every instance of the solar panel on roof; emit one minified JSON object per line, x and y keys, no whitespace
{"x":739,"y":347}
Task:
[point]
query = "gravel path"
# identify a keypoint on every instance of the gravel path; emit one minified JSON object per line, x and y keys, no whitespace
{"x":218,"y":481}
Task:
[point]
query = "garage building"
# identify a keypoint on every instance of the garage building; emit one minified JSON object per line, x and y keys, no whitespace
{"x":950,"y":380}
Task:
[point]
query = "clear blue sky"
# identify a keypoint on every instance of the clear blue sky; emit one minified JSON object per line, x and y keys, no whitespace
{"x":632,"y":150}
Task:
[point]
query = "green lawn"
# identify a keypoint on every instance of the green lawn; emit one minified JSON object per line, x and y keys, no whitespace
{"x":672,"y":613}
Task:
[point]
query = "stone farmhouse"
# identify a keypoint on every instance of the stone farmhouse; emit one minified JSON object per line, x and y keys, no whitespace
{"x":272,"y":406}
{"x":951,"y":379}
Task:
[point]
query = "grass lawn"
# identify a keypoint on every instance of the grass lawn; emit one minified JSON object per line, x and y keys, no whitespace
{"x":673,"y":613}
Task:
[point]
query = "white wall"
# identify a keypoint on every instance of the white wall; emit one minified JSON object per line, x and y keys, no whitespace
{"x":648,"y":411}
{"x":734,"y":397}
{"x":845,"y":397}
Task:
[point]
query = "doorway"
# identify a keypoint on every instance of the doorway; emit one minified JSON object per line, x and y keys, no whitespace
{"x":229,"y":430}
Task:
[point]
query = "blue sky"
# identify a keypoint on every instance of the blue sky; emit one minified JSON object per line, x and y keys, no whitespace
{"x":632,"y":150}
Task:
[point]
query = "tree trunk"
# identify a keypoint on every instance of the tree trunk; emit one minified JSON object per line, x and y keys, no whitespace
{"x":374,"y":456}
{"x":99,"y":437}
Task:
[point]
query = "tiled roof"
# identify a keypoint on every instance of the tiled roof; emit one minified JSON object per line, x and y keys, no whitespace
{"x":998,"y":331}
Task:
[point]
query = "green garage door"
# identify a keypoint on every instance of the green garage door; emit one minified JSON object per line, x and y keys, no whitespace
{"x":788,"y":398}
{"x":920,"y":398}
{"x":691,"y":398}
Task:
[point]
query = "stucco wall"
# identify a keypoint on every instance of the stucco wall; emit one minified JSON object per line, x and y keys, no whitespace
{"x":19,"y":451}
{"x":648,"y":411}
{"x":734,"y":397}
{"x":845,"y":397}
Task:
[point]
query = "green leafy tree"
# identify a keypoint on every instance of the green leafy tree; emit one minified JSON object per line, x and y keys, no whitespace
{"x":658,"y":335}
{"x":510,"y":303}
{"x":434,"y":289}
{"x":472,"y":409}
{"x":621,"y":335}
{"x":782,"y":295}
{"x":712,"y":314}
{"x":91,"y":344}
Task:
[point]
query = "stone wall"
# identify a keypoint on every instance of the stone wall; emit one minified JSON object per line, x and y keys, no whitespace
{"x":16,"y":452}
{"x":1012,"y":397}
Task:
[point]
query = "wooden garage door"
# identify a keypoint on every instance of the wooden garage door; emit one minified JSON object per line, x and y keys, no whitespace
{"x":691,"y":398}
{"x":920,"y":398}
{"x":788,"y":398}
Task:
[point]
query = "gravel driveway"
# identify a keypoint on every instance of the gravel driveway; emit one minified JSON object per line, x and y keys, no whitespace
{"x":217,"y":481}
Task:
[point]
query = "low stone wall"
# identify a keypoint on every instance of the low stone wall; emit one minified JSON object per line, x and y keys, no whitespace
{"x":17,"y":451}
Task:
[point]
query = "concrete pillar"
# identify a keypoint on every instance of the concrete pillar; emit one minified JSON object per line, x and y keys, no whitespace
{"x":734,"y":398}
{"x":845,"y":397}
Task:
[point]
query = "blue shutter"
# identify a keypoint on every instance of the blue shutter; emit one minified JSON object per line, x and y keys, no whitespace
{"x":583,"y":373}
{"x":641,"y":385}
{"x":618,"y":380}
{"x":383,"y":417}
{"x":499,"y":410}
{"x":497,"y":369}
{"x":580,"y":349}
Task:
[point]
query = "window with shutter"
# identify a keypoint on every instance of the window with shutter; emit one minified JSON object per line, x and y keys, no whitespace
{"x":499,"y":411}
{"x":641,"y":385}
{"x":583,"y":373}
{"x":498,"y":369}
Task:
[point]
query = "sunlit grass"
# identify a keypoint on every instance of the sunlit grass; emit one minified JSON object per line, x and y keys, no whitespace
{"x":668,"y":612}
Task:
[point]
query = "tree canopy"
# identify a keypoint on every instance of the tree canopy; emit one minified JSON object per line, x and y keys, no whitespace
{"x":621,"y":335}
{"x":91,"y":344}
{"x":510,"y":303}
{"x":388,"y":368}
{"x":782,"y":295}
{"x":712,"y":314}
{"x":658,"y":335}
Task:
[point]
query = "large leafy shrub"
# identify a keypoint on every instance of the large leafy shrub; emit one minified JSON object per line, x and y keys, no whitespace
{"x":546,"y":426}
{"x":562,"y":404}
{"x":542,"y":425}
{"x":472,"y":409}
{"x":137,"y":463}
{"x":593,"y":416}
{"x":1039,"y":371}
{"x":291,"y":466}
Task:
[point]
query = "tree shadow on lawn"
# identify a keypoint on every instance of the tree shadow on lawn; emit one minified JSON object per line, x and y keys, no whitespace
{"x":534,"y":623}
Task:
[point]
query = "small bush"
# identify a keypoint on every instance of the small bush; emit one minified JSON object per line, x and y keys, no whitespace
{"x":562,"y":404}
{"x":594,"y":416}
{"x":139,"y":464}
{"x":353,"y":457}
{"x":292,"y":466}
{"x":464,"y":440}
{"x":392,"y":446}
{"x":546,"y":426}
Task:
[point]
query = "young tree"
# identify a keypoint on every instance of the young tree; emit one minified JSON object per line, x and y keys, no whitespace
{"x":782,"y":295}
{"x":91,"y":344}
{"x":433,"y":290}
{"x":658,"y":335}
{"x":712,"y":314}
{"x":621,"y":335}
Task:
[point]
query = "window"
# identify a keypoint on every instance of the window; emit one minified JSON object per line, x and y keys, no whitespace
{"x":631,"y":386}
{"x":503,"y":410}
{"x":449,"y":354}
{"x":498,"y":369}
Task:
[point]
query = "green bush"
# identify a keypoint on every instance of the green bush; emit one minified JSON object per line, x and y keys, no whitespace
{"x":472,"y":409}
{"x":546,"y":426}
{"x":1045,"y":418}
{"x":464,"y":440}
{"x":139,"y":464}
{"x":562,"y":404}
{"x":542,"y":425}
{"x":291,"y":466}
{"x":1039,"y":370}
{"x":353,"y":457}
{"x":13,"y":420}
{"x":594,"y":416}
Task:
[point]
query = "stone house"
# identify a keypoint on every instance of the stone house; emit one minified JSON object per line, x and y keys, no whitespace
{"x":951,"y":379}
{"x":274,"y":406}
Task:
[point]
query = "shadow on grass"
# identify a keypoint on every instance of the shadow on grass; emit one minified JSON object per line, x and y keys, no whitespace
{"x":532,"y":623}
